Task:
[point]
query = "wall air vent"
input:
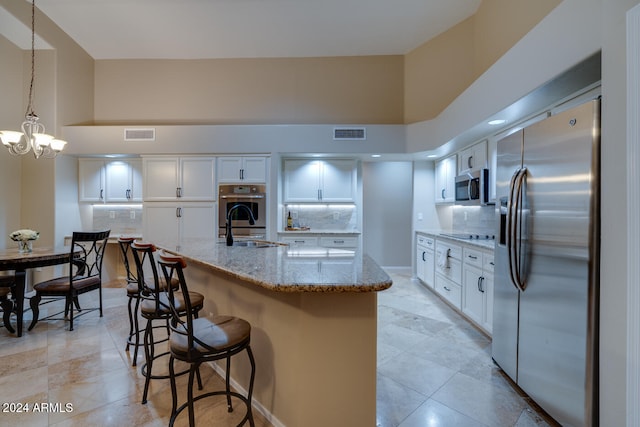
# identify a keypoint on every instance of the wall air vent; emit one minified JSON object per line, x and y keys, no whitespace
{"x":140,"y":134}
{"x":349,"y":134}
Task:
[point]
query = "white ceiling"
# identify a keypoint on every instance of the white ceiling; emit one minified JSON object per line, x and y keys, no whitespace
{"x":187,"y":29}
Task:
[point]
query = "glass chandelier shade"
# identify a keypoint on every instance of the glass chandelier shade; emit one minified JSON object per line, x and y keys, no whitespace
{"x":32,"y":137}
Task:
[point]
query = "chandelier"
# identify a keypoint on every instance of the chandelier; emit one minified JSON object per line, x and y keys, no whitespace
{"x":32,"y":136}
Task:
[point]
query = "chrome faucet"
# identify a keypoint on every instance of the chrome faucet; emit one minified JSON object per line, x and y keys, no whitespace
{"x":227,"y":227}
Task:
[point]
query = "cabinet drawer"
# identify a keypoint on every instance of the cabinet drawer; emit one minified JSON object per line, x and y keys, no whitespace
{"x":452,"y":270}
{"x":488,"y":263}
{"x":339,"y":242}
{"x":427,"y":242}
{"x":472,"y":257}
{"x":455,"y":251}
{"x":300,"y":241}
{"x":452,"y":292}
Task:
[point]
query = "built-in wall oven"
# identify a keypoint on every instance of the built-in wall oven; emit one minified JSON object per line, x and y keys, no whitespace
{"x":253,"y":197}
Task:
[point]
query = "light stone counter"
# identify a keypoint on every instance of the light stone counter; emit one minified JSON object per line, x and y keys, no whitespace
{"x":290,"y":269}
{"x":313,"y":316}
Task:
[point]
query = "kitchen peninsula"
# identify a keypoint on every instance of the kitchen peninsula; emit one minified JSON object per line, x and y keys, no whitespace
{"x":313,"y":313}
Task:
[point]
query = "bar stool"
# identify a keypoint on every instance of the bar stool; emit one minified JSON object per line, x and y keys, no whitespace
{"x":133,"y":294}
{"x":196,"y":341}
{"x":7,"y":284}
{"x":154,"y":306}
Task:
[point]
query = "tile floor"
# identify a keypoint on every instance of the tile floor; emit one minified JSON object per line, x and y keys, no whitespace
{"x":434,"y":369}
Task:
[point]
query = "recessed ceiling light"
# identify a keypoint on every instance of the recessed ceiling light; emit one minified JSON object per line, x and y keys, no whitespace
{"x":431,"y":156}
{"x":497,"y":122}
{"x":375,"y":155}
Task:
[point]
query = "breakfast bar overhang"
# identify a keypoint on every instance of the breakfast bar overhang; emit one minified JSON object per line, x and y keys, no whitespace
{"x":313,"y":313}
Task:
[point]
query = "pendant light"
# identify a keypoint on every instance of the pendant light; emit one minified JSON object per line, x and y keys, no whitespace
{"x":32,"y":136}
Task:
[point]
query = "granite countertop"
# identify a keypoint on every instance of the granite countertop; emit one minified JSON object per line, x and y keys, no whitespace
{"x":480,"y":243}
{"x":282,"y":268}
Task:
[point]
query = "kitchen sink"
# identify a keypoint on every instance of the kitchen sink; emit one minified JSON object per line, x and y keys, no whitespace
{"x":254,"y":243}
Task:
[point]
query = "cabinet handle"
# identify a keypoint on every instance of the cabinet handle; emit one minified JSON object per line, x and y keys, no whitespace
{"x":470,"y":162}
{"x":241,"y":174}
{"x":491,"y":263}
{"x":442,"y":193}
{"x":319,"y":194}
{"x":446,"y":289}
{"x":423,"y":254}
{"x":128,"y":194}
{"x":338,"y":242}
{"x":178,"y":191}
{"x":179,"y":212}
{"x":101,"y":194}
{"x":481,"y":284}
{"x":472,"y":256}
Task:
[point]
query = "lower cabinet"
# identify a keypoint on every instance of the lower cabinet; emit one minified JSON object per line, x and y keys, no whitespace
{"x":462,"y":274}
{"x":172,"y":222}
{"x":477,"y":278}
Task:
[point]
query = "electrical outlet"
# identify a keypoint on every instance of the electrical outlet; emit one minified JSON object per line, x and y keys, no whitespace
{"x":132,"y":214}
{"x":112,"y":214}
{"x":336,"y":216}
{"x":294,"y":214}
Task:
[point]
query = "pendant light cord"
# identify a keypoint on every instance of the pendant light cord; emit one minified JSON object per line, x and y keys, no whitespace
{"x":33,"y":60}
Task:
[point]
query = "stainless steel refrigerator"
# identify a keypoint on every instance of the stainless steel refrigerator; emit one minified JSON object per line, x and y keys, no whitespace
{"x":545,"y":320}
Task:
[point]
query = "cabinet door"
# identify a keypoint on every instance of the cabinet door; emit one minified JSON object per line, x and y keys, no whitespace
{"x":197,"y":220}
{"x":338,"y":181}
{"x":135,"y":195}
{"x":473,"y":158}
{"x":91,"y":180}
{"x":123,"y":181}
{"x":488,"y":294}
{"x":229,"y":169}
{"x":160,"y":178}
{"x":254,"y":169}
{"x":445,"y":174}
{"x":429,"y":268}
{"x":473,"y":294}
{"x":420,"y":263}
{"x":301,"y":180}
{"x":197,"y":179}
{"x":160,"y":223}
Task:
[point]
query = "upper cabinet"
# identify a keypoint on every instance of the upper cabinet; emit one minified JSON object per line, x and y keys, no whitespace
{"x":473,"y":158}
{"x":91,"y":180}
{"x":113,"y":181}
{"x":123,"y":181}
{"x":189,"y":178}
{"x":445,"y":180}
{"x":320,"y":180}
{"x":243,"y":169}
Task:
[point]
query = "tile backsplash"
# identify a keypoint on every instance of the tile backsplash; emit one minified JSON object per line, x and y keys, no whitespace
{"x":474,"y":219}
{"x":322,"y":217}
{"x":120,"y":219}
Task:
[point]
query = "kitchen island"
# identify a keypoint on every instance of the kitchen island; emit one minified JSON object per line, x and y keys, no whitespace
{"x":313,"y":313}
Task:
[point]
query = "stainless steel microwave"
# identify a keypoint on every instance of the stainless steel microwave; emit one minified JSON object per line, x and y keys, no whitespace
{"x":472,"y":188}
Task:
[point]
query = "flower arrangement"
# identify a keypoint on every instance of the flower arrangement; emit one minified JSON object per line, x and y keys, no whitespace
{"x":24,"y":235}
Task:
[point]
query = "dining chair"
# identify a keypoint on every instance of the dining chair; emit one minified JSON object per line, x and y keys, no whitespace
{"x":154,"y":307}
{"x":133,"y":291}
{"x":85,"y":275}
{"x":7,"y":284}
{"x":202,"y":340}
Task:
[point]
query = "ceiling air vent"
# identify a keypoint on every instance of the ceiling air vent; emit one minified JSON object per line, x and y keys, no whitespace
{"x":140,"y":134}
{"x":343,"y":134}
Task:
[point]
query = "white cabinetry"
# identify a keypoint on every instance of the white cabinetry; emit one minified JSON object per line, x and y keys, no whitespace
{"x":477,"y":298}
{"x":233,"y":169}
{"x":473,"y":157}
{"x":492,"y":149}
{"x":91,"y":180}
{"x":445,"y":180}
{"x":319,"y":180}
{"x":169,"y":222}
{"x":179,"y":178}
{"x":448,"y":278}
{"x":123,"y":181}
{"x":425,"y":260}
{"x":325,"y":241}
{"x":111,"y":181}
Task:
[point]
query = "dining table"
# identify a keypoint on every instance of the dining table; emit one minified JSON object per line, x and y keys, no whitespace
{"x":12,"y":259}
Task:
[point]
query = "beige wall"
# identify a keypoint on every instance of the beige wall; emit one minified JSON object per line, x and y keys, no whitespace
{"x":366,"y":89}
{"x":442,"y":68}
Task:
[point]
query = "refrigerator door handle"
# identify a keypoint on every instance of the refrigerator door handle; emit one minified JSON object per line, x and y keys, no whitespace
{"x":514,"y":227}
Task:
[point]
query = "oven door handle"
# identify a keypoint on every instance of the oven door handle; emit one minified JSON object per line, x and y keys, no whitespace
{"x":247,"y":196}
